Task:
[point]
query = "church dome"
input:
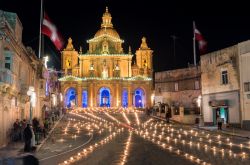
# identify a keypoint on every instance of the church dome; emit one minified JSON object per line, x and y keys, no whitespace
{"x":108,"y":31}
{"x":107,"y":26}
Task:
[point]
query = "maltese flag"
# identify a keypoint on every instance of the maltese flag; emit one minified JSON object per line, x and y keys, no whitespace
{"x":201,"y":41}
{"x":49,"y":29}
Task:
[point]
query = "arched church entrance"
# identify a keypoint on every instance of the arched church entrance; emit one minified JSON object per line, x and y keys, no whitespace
{"x":139,"y":98}
{"x":70,"y":98}
{"x":105,"y":97}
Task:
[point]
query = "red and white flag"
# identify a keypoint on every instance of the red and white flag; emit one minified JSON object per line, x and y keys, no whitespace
{"x":201,"y":41}
{"x":50,"y":30}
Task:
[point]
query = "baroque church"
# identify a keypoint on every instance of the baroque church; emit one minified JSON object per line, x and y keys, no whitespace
{"x":104,"y":75}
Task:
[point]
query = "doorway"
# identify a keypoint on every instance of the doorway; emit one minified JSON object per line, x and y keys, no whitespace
{"x":221,"y":112}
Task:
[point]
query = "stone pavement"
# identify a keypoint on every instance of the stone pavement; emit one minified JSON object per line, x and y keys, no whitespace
{"x":229,"y":131}
{"x":15,"y":149}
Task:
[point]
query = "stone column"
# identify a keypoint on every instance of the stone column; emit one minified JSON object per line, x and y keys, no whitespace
{"x":81,"y":68}
{"x":79,"y":95}
{"x":94,"y":94}
{"x":90,"y":95}
{"x":129,"y":96}
{"x":118,"y":99}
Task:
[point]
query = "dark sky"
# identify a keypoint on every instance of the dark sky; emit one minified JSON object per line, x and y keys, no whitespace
{"x":222,"y":24}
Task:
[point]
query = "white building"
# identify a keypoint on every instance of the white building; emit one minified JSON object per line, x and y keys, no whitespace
{"x":225,"y":83}
{"x":244,"y":69}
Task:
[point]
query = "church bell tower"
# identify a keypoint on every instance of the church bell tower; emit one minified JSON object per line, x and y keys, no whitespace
{"x":70,"y":59}
{"x":144,"y":59}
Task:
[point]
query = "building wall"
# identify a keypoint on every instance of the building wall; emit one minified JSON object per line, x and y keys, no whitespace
{"x":213,"y":88}
{"x":213,"y":64}
{"x":124,"y":64}
{"x":18,"y":71}
{"x":187,"y":93}
{"x":244,"y":61}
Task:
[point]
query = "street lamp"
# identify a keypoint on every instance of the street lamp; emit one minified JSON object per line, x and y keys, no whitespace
{"x":46,"y":59}
{"x":199,"y":105}
{"x":31,"y":93}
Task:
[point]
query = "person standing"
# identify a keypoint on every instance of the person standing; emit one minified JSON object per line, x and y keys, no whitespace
{"x":24,"y":125}
{"x":219,"y":123}
{"x":167,"y":115}
{"x":33,"y":139}
{"x":27,"y":138}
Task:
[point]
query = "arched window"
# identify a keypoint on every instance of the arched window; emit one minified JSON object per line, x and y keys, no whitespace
{"x":85,"y":99}
{"x":139,"y":98}
{"x":104,"y":97}
{"x":125,"y":98}
{"x":70,"y":98}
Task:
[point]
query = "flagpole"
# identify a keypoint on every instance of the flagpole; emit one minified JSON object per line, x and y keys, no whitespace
{"x":194,"y":47}
{"x":40,"y":32}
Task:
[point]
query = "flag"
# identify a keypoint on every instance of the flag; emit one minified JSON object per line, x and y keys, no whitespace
{"x":50,"y":30}
{"x":201,"y":41}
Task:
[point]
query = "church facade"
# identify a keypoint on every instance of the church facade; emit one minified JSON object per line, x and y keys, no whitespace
{"x":106,"y":76}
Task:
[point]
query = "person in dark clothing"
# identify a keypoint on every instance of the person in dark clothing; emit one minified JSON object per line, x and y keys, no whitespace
{"x":167,"y":115}
{"x":35,"y":124}
{"x":27,"y":138}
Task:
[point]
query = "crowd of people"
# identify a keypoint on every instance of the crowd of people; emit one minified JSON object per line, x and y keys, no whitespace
{"x":27,"y":132}
{"x":32,"y":132}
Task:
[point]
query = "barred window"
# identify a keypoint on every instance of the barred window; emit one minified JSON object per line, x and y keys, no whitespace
{"x":247,"y":86}
{"x":224,"y":77}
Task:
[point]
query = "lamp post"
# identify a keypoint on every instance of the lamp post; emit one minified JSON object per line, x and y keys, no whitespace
{"x":46,"y":59}
{"x":199,"y":105}
{"x":31,"y":93}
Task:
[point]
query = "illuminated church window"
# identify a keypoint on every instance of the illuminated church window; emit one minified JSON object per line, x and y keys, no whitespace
{"x":124,"y":98}
{"x":85,"y":99}
{"x":104,"y":97}
{"x":70,"y":97}
{"x":139,"y":100}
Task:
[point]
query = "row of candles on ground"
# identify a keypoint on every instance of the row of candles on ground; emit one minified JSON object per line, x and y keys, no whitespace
{"x":191,"y":133}
{"x":171,"y":148}
{"x":126,"y":150}
{"x":90,"y":126}
{"x":145,"y":134}
{"x":110,"y":110}
{"x":84,"y":153}
{"x":90,"y":113}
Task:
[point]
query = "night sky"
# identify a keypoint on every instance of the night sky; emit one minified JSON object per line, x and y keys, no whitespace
{"x":222,"y":25}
